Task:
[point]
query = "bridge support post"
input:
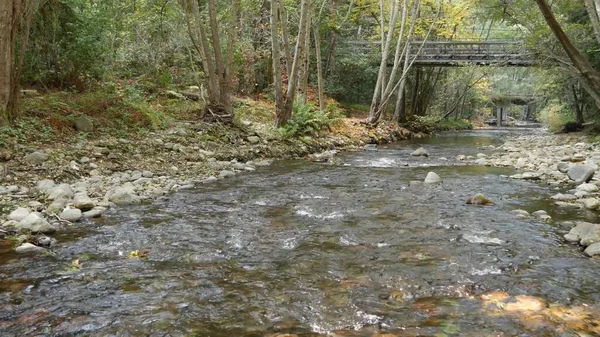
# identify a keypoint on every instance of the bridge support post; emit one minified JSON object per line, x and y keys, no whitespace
{"x":499,"y":115}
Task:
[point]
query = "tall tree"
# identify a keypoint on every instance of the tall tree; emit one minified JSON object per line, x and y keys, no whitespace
{"x":15,"y":21}
{"x":580,"y":62}
{"x":218,"y":68}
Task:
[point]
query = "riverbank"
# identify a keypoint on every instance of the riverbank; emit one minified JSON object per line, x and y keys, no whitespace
{"x":568,"y":163}
{"x":50,"y":185}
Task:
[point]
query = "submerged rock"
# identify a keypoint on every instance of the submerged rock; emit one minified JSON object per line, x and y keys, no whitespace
{"x":480,"y":199}
{"x":420,"y":152}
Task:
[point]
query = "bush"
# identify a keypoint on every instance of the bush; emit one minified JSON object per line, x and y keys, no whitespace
{"x":555,"y":115}
{"x":432,"y":123}
{"x":308,"y":120}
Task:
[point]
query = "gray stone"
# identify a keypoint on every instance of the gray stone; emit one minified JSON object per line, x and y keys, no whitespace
{"x":520,"y":213}
{"x":35,"y":223}
{"x":481,"y":155}
{"x":12,"y":188}
{"x":142,"y":181}
{"x":147,"y":174}
{"x":481,"y":161}
{"x":92,"y":166}
{"x":62,"y":191}
{"x":371,"y":147}
{"x":585,"y":233}
{"x":135,"y":175}
{"x":124,"y":195}
{"x":71,"y":214}
{"x":3,"y":190}
{"x":581,"y":173}
{"x":420,"y":152}
{"x":582,"y":194}
{"x":563,"y":167}
{"x":36,"y":158}
{"x":587,"y":188}
{"x":35,"y":205}
{"x":564,"y":197}
{"x":174,"y":95}
{"x":432,"y":178}
{"x":593,"y":249}
{"x":94,"y":213}
{"x":19,"y":214}
{"x":83,"y":201}
{"x":265,"y":162}
{"x":209,"y":180}
{"x":84,"y":124}
{"x":461,"y":157}
{"x":238,"y":166}
{"x":28,"y":248}
{"x":253,"y":140}
{"x":539,"y":213}
{"x":10,"y":225}
{"x":84,"y":160}
{"x":226,"y":174}
{"x":56,"y":206}
{"x":591,"y":203}
{"x":578,"y":158}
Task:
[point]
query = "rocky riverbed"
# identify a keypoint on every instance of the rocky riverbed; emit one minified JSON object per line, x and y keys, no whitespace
{"x":567,"y":162}
{"x":48,"y":188}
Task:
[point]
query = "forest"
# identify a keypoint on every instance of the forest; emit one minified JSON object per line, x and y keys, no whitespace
{"x":146,"y":62}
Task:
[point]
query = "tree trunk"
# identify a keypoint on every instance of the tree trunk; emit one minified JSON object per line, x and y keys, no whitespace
{"x":286,"y":37}
{"x":590,"y":7}
{"x":15,"y":20}
{"x":277,"y":80}
{"x":319,"y":65}
{"x":579,"y":61}
{"x":286,"y":112}
{"x":6,"y":60}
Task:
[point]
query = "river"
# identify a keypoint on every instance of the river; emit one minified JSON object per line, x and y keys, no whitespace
{"x":307,"y":249}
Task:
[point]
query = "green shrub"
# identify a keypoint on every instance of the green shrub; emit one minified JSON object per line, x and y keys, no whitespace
{"x":309,"y":120}
{"x":555,"y":115}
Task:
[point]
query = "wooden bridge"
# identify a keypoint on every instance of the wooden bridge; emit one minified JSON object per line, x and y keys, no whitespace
{"x":505,"y":53}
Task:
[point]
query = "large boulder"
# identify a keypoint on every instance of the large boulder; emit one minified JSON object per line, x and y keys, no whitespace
{"x":28,"y":248}
{"x":420,"y":152}
{"x":585,"y":233}
{"x":62,"y":191}
{"x":45,"y":185}
{"x":35,"y":223}
{"x":587,"y":188}
{"x":563,"y":167}
{"x":593,"y":249}
{"x":581,"y":173}
{"x":432,"y":178}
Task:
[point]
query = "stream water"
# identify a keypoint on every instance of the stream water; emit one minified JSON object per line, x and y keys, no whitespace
{"x":351,"y":249}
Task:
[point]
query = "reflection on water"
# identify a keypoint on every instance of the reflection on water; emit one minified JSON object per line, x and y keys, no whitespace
{"x":308,"y":249}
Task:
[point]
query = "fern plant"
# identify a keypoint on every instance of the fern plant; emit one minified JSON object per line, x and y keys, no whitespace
{"x":309,"y":120}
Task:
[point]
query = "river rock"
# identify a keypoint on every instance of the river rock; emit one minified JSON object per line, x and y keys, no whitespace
{"x":432,"y":178}
{"x":35,"y":223}
{"x":28,"y":248}
{"x":481,"y":161}
{"x":581,"y":194}
{"x":420,"y":152}
{"x":19,"y":214}
{"x":84,"y":124}
{"x":371,"y":147}
{"x":593,"y":249}
{"x":563,"y":167}
{"x":124,"y":195}
{"x":581,"y":173}
{"x":577,"y":158}
{"x":480,"y":199}
{"x":56,"y":206}
{"x":585,"y":233}
{"x":591,"y":203}
{"x":83,"y":201}
{"x":36,"y":158}
{"x":226,"y":174}
{"x":530,"y":176}
{"x":266,"y":162}
{"x":209,"y":180}
{"x":481,"y":155}
{"x":71,"y":214}
{"x":60,"y":192}
{"x":588,"y":188}
{"x":521,"y":163}
{"x":35,"y":205}
{"x":564,"y":197}
{"x":520,"y":213}
{"x":323,"y":156}
{"x":94,"y":213}
{"x":253,"y":139}
{"x":461,"y":157}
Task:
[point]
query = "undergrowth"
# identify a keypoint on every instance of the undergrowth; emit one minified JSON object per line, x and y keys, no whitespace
{"x":310,"y":120}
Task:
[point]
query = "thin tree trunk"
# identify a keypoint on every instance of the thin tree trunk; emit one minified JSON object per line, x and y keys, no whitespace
{"x":276,"y":54}
{"x":590,"y":6}
{"x":286,"y":38}
{"x":290,"y":95}
{"x":319,"y":65}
